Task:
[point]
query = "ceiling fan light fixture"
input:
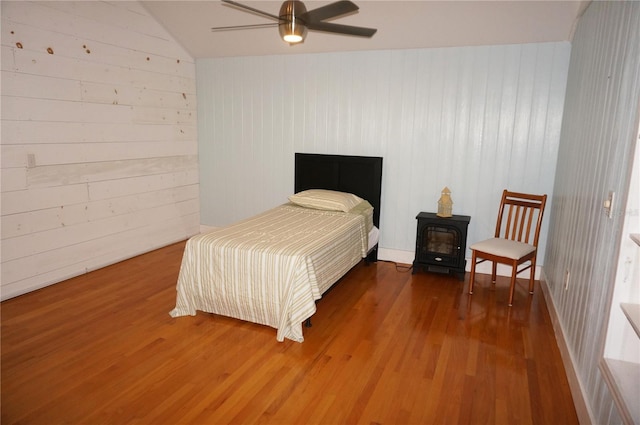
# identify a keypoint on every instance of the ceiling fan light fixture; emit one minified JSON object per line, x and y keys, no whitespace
{"x":292,"y":30}
{"x":292,"y":38}
{"x":294,"y":33}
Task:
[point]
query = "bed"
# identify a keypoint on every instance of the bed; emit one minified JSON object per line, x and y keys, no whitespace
{"x":272,"y":268}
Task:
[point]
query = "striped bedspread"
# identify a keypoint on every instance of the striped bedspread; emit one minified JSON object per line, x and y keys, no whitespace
{"x":271,"y":268}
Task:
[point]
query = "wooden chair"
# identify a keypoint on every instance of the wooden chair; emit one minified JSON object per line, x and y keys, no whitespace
{"x":516,"y":238}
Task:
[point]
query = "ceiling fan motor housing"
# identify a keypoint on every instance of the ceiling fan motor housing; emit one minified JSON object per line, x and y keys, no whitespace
{"x":290,"y":23}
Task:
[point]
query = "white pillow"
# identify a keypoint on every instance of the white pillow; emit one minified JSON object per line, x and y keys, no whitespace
{"x":322,"y":199}
{"x":365,"y":209}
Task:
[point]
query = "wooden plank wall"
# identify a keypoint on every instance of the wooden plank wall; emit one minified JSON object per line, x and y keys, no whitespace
{"x":475,"y":119}
{"x":599,"y":133}
{"x":99,"y":139}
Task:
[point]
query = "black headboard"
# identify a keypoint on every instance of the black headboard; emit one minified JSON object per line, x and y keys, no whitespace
{"x":360,"y":175}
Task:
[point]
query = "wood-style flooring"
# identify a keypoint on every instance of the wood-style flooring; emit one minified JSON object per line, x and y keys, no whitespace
{"x":386,"y":347}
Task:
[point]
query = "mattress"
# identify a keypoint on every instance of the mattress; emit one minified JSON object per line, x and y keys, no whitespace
{"x":270,"y":268}
{"x":374,"y":236}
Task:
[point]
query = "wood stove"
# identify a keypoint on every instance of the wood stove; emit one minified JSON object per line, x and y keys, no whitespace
{"x":441,"y":244}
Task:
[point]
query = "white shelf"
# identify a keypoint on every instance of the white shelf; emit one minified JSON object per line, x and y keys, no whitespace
{"x":635,"y":237}
{"x":632,"y":311}
{"x":624,"y":381}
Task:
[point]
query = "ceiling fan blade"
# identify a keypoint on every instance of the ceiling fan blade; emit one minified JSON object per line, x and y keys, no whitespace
{"x":244,"y":27}
{"x":331,"y":10}
{"x":251,"y":9}
{"x":341,"y":29}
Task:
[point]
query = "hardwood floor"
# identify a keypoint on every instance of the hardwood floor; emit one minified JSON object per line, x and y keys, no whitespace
{"x":386,"y":347}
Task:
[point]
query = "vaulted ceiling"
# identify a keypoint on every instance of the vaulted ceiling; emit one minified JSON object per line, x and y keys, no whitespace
{"x":400,"y":24}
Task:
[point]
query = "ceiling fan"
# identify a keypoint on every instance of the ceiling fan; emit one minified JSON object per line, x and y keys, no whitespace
{"x":294,"y":20}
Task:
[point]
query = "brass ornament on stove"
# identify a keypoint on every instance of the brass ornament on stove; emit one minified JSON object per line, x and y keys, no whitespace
{"x":445,"y":204}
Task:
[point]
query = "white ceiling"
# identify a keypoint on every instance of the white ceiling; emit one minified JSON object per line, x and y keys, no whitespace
{"x":400,"y":24}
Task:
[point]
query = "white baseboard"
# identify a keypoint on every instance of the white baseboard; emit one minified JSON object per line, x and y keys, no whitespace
{"x":397,"y":256}
{"x":583,"y":411}
{"x":407,"y":257}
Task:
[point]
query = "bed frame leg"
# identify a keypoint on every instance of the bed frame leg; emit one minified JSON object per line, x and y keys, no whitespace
{"x":307,"y":323}
{"x":372,"y":256}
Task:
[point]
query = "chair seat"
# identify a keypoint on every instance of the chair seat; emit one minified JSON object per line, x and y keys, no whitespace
{"x":504,"y":248}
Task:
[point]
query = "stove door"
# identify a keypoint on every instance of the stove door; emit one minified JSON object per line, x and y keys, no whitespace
{"x":439,"y":244}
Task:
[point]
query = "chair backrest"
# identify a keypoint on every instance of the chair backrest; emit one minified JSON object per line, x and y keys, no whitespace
{"x":520,"y":217}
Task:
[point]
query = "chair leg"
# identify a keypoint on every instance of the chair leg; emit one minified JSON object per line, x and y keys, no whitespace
{"x":513,"y":283}
{"x":494,"y":271}
{"x":533,"y":275}
{"x":472,"y":276}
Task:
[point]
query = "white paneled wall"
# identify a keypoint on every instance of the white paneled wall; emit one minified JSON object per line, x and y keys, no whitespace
{"x":99,"y":139}
{"x":476,"y":119}
{"x":596,"y":156}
